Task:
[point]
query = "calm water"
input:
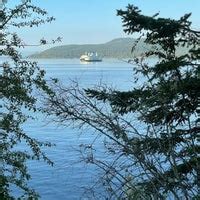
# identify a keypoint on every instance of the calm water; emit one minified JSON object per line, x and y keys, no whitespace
{"x":68,"y":178}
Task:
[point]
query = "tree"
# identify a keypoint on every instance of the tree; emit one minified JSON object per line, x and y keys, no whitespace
{"x":160,"y":160}
{"x":19,"y":80}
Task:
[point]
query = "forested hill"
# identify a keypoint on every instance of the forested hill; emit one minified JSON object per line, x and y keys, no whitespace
{"x":117,"y":48}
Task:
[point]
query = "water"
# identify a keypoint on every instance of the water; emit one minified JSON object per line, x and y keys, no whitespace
{"x":68,"y":178}
{"x":113,"y":72}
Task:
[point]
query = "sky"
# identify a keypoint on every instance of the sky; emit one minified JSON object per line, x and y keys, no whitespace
{"x":95,"y":21}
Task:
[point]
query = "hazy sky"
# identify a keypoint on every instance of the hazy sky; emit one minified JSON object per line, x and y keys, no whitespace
{"x":95,"y":21}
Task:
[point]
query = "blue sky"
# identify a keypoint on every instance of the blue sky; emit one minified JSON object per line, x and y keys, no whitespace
{"x":95,"y":21}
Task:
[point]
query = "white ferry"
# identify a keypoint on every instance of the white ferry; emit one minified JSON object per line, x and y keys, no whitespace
{"x":90,"y":57}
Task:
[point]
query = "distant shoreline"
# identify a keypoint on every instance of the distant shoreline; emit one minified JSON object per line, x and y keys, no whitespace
{"x":119,"y":48}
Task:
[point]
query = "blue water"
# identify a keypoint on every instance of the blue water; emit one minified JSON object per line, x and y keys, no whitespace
{"x":68,"y":177}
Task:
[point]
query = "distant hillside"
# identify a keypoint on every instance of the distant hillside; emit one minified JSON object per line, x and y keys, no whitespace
{"x":117,"y":48}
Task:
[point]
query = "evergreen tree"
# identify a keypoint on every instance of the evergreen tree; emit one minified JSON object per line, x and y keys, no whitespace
{"x":19,"y":79}
{"x":163,"y":158}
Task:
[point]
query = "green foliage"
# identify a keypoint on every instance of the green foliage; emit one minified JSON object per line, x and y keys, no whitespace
{"x":168,"y":102}
{"x":19,"y":80}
